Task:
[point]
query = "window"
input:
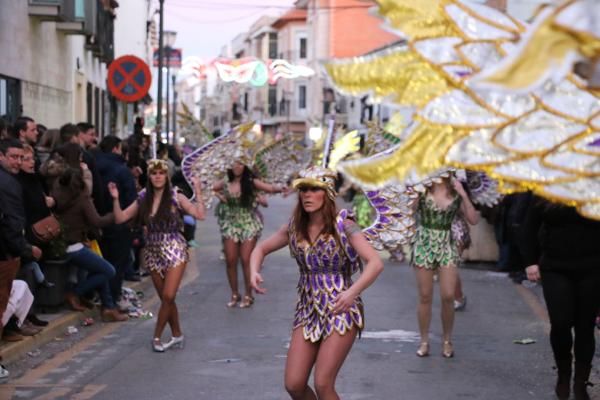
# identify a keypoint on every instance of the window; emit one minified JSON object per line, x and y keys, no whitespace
{"x":303,"y":43}
{"x":3,"y":97}
{"x":89,"y":100}
{"x":272,"y":45}
{"x":79,"y":9}
{"x":272,"y":101}
{"x":302,"y":97}
{"x":10,"y":98}
{"x":97,"y":108}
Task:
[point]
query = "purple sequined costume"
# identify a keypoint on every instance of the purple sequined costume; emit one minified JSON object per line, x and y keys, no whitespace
{"x":326,"y":269}
{"x":165,"y":245}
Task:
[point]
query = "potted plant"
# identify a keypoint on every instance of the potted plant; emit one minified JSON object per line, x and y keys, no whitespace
{"x":54,"y":265}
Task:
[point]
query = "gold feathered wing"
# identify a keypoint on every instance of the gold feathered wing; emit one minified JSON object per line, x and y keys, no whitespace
{"x":542,"y":141}
{"x":559,"y":36}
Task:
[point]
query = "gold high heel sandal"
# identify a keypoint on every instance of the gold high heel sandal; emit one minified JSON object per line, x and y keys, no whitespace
{"x":423,"y":350}
{"x":447,"y":350}
{"x":234,"y":300}
{"x":247,"y":302}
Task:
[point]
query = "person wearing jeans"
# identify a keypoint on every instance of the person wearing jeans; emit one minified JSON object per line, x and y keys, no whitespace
{"x":75,"y":211}
{"x":99,"y":272}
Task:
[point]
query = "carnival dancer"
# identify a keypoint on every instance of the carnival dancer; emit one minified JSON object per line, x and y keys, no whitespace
{"x":435,"y":251}
{"x":561,"y":248}
{"x":240,"y":223}
{"x":165,"y":254}
{"x":327,"y":246}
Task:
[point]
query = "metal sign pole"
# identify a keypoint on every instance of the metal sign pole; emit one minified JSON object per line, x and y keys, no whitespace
{"x":329,"y":139}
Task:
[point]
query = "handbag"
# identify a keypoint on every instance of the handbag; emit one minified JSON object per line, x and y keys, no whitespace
{"x":95,"y":247}
{"x":46,"y":229}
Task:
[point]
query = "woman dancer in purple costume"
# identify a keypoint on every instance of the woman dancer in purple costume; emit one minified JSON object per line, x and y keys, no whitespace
{"x":327,"y":246}
{"x":166,"y":251}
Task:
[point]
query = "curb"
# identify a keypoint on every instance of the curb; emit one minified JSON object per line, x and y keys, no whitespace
{"x":13,"y":351}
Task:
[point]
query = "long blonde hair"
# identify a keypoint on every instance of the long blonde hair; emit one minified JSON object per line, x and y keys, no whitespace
{"x":301,"y":219}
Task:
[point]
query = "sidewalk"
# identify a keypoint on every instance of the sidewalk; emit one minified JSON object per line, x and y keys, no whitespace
{"x":57,"y":326}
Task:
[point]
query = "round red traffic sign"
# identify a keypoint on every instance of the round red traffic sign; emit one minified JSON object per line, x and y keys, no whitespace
{"x":129,"y":78}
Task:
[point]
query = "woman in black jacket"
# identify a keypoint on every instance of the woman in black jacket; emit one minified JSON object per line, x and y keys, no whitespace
{"x":37,"y":207}
{"x":561,"y":248}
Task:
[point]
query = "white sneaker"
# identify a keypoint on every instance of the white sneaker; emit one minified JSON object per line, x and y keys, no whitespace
{"x":3,"y":372}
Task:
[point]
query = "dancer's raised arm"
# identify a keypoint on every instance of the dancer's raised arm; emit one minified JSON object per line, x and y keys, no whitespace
{"x":275,"y":242}
{"x":121,"y":216}
{"x":196,"y":209}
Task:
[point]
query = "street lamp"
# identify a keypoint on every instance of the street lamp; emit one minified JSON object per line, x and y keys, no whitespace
{"x":160,"y":67}
{"x":170,"y":37}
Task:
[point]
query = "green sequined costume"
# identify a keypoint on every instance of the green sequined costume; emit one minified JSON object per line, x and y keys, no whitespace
{"x":236,"y":221}
{"x":362,"y":210}
{"x":433,"y":245}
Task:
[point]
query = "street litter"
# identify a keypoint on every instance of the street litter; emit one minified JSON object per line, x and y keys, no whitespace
{"x":87,"y":322}
{"x":135,"y":304}
{"x":524,"y":341}
{"x":34,"y":353}
{"x":146,"y":315}
{"x":71,"y":330}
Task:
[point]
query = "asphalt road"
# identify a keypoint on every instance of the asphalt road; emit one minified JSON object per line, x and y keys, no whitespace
{"x":240,"y":353}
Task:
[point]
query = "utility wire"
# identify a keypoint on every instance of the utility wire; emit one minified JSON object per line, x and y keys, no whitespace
{"x":225,"y":5}
{"x":214,"y":21}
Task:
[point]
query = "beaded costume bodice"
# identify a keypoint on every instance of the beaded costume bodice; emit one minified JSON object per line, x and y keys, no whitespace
{"x":172,"y":224}
{"x":433,"y":216}
{"x":326,"y":255}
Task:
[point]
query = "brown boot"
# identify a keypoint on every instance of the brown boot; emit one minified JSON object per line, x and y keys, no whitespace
{"x":73,"y":300}
{"x":11,"y":336}
{"x":27,"y":329}
{"x":563,"y":383}
{"x":581,"y":381}
{"x":113,"y":315}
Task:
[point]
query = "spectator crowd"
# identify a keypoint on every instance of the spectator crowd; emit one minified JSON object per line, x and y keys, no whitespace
{"x":56,"y":181}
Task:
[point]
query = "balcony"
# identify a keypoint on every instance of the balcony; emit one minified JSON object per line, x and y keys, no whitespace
{"x":45,"y":10}
{"x":71,"y":16}
{"x":101,"y":42}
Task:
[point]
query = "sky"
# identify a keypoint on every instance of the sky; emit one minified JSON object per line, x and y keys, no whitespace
{"x":204,"y":26}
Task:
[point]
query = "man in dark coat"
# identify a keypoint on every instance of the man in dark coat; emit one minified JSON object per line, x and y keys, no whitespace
{"x":116,"y":243}
{"x":13,"y":245}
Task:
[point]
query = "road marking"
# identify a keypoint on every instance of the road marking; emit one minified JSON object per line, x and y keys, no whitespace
{"x":54,"y":394}
{"x":88,"y":392}
{"x":396,"y":335}
{"x":31,"y":377}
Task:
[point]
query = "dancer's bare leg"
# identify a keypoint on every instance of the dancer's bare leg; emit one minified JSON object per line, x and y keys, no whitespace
{"x":458,"y":292}
{"x":330,"y":358}
{"x":245,"y":251}
{"x":425,"y":288}
{"x":300,"y":360}
{"x":232,"y":254}
{"x":168,"y":308}
{"x":159,"y":284}
{"x":448,"y":282}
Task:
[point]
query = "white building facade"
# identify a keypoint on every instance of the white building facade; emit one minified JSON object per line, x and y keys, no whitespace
{"x":55,"y":54}
{"x":133,"y":36}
